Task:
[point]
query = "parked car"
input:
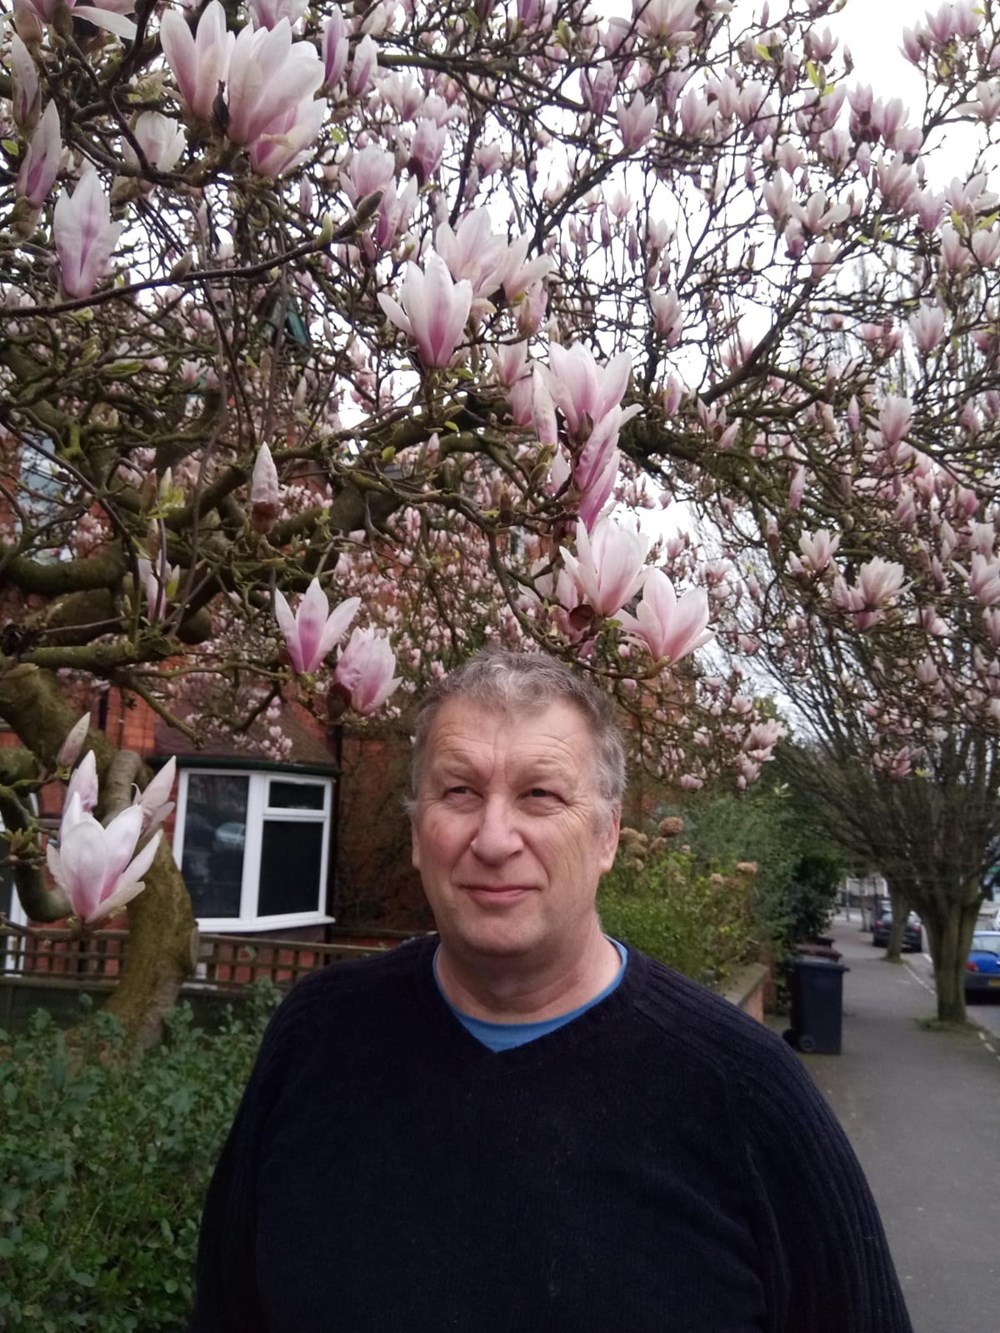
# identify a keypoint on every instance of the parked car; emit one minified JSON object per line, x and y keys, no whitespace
{"x":982,"y":968}
{"x":882,"y":924}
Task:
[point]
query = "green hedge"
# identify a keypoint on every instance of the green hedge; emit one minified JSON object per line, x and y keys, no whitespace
{"x":104,"y":1162}
{"x":655,"y":899}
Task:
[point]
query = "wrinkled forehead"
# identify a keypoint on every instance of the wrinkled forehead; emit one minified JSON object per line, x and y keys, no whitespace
{"x":552,"y":733}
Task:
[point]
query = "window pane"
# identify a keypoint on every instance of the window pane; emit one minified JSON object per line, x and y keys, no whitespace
{"x":214,"y":836}
{"x":296,"y":795}
{"x":290,"y":862}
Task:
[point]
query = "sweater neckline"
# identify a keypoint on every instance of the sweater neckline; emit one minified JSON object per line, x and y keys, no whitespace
{"x":552,"y":1045}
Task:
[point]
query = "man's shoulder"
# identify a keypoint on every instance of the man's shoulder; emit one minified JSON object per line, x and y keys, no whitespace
{"x":701,"y":1024}
{"x":364,"y":975}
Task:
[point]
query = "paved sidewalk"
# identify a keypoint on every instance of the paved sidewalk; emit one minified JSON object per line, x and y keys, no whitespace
{"x":922,"y":1110}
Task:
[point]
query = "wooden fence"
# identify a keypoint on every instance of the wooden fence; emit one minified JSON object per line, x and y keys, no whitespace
{"x":225,"y":962}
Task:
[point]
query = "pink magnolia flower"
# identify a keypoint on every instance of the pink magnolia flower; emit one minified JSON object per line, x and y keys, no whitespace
{"x":635,"y":122}
{"x":288,"y":136}
{"x":543,"y":409}
{"x":582,"y":389}
{"x":667,"y":18}
{"x":268,"y":13}
{"x":314,"y":629}
{"x":394,"y":214}
{"x":265,"y":494}
{"x":364,"y":670}
{"x":601,"y":443}
{"x":432,"y":309}
{"x":608,"y":567}
{"x":597,"y":86}
{"x":594,"y":496}
{"x":83,"y":783}
{"x":336,"y":48}
{"x":427,"y":148}
{"x":41,"y":162}
{"x":818,"y":549}
{"x":200,"y":62}
{"x":363,"y":67}
{"x":894,"y":418}
{"x":927,"y":327}
{"x":26,"y":100}
{"x":474,"y":252}
{"x":523,"y":276}
{"x":510,"y":367}
{"x":70,"y":749}
{"x":97,"y":867}
{"x":161,"y":139}
{"x":930,"y":209}
{"x":85,"y":235}
{"x":154,"y":800}
{"x":669,"y":626}
{"x":697,"y":113}
{"x":109,"y":15}
{"x":370,"y":170}
{"x":510,"y":362}
{"x":984,"y":579}
{"x":761,"y":739}
{"x":668,"y":318}
{"x":269,"y":75}
{"x":879,"y":581}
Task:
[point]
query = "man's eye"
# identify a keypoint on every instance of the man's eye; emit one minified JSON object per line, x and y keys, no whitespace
{"x":542,"y":794}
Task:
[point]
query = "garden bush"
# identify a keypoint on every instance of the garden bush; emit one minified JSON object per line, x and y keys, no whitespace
{"x":698,"y":922}
{"x":791,"y":895}
{"x":104,"y":1162}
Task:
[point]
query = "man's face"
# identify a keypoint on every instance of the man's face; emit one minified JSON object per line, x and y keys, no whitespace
{"x":510,"y":836}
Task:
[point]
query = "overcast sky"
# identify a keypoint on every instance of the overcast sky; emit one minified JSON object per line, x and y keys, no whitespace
{"x":872,"y":30}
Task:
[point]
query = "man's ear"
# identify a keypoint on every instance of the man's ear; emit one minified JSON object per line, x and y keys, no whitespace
{"x":609,"y":839}
{"x":414,"y":844}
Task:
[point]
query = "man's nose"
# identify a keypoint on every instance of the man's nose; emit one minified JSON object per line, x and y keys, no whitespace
{"x":497,"y":836}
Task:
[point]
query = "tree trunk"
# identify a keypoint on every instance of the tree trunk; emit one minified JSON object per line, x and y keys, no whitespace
{"x":161,"y":923}
{"x":162,"y":949}
{"x":949,"y":935}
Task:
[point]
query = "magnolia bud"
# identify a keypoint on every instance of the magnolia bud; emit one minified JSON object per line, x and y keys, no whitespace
{"x":70,"y":749}
{"x":265,"y":498}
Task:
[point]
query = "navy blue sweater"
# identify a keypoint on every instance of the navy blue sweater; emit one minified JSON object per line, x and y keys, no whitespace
{"x":660,"y":1163}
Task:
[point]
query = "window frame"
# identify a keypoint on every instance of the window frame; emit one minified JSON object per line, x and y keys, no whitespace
{"x":258,"y":813}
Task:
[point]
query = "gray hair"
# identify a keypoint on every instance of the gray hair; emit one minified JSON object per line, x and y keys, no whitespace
{"x":513,"y":683}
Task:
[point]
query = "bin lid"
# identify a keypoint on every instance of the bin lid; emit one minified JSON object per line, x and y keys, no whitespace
{"x":829,"y":964}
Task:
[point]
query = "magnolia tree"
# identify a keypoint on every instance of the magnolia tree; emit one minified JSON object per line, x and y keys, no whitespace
{"x":414,"y":318}
{"x":928,"y":821}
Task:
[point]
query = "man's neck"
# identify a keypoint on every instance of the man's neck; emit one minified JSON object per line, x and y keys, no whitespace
{"x":506,"y":990}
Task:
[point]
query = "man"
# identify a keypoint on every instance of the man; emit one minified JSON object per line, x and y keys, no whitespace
{"x":518,"y":1124}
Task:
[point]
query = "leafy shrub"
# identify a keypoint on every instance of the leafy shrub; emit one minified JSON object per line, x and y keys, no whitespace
{"x":104,"y":1162}
{"x":798,"y":873}
{"x":699,"y":923}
